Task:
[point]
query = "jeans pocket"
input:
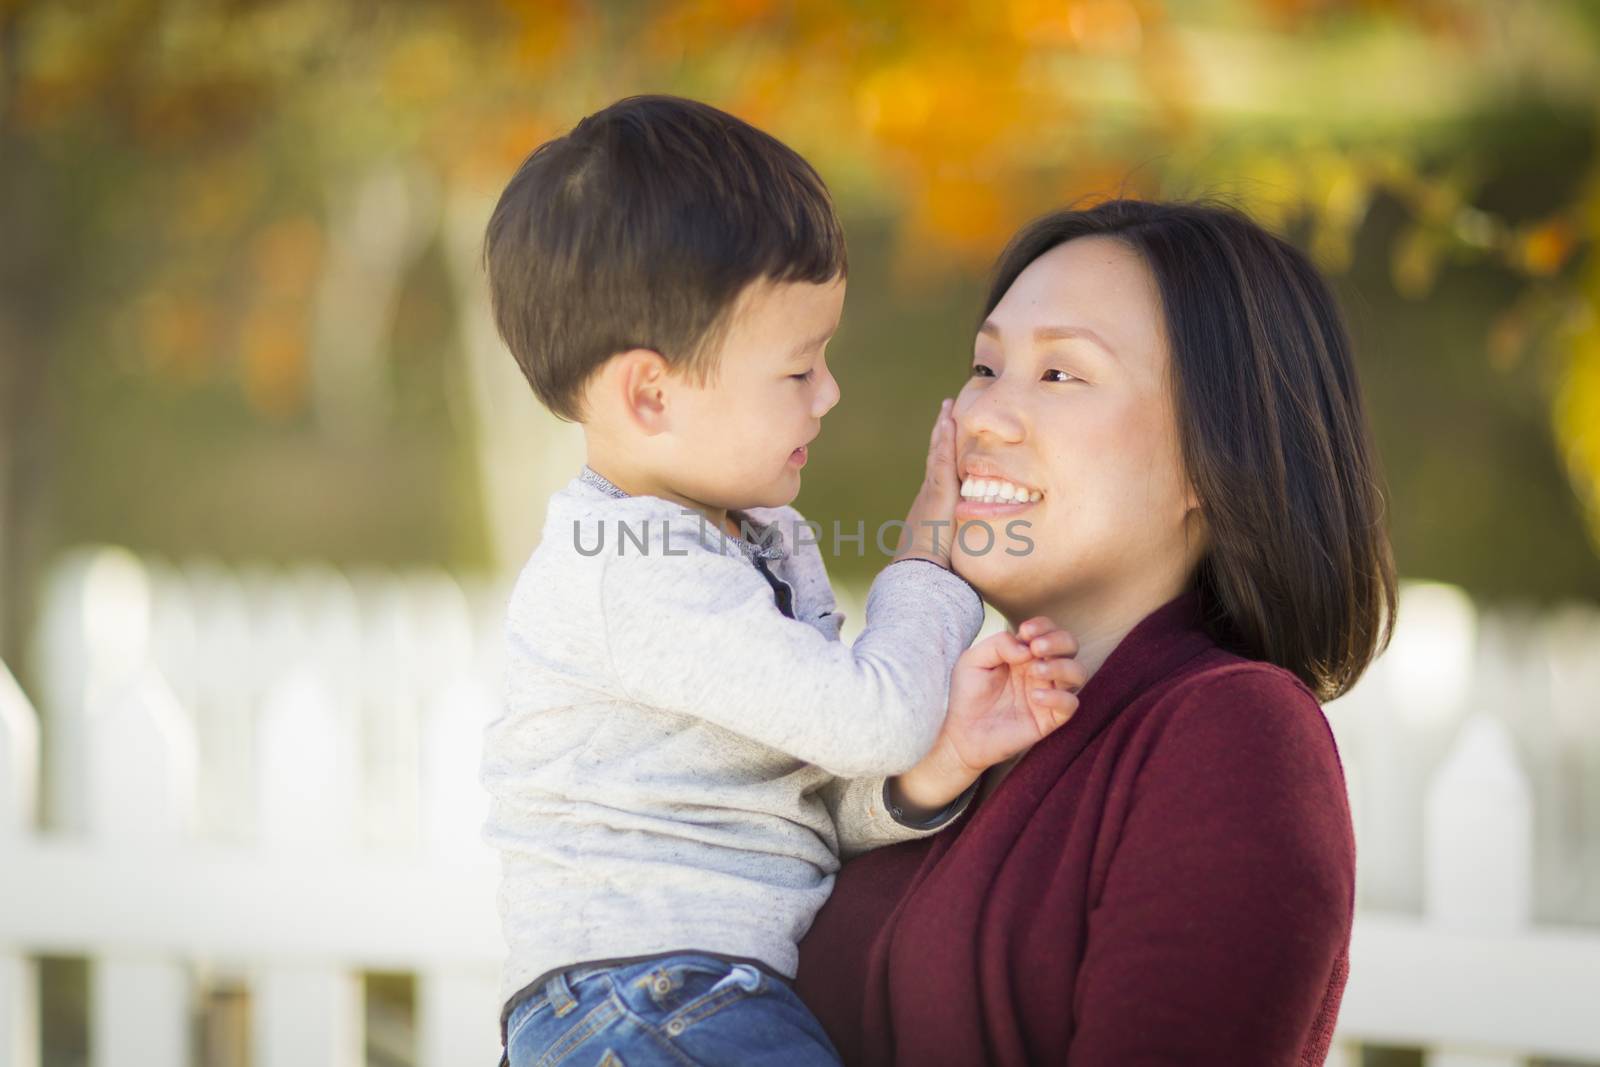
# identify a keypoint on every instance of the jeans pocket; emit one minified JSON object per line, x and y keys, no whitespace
{"x":666,"y":986}
{"x":571,"y":1040}
{"x":702,"y":1000}
{"x":550,"y":1030}
{"x":522,"y":1015}
{"x":742,"y":975}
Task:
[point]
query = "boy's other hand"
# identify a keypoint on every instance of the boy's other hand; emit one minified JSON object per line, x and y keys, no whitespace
{"x":930,"y":525}
{"x":1008,"y":692}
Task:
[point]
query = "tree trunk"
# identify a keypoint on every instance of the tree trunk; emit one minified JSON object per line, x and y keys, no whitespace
{"x":524,"y":452}
{"x":23,"y":440}
{"x":28,"y":284}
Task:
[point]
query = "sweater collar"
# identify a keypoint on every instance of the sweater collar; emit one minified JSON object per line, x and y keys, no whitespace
{"x":1158,"y":644}
{"x":595,"y":480}
{"x":1155,"y":649}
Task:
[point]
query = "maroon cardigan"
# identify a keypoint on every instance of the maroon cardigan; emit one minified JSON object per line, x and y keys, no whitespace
{"x":1169,"y":878}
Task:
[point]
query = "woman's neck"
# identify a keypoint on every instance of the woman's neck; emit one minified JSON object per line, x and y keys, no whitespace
{"x":1100,"y":623}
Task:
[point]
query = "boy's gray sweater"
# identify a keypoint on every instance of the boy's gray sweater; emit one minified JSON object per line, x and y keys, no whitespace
{"x":678,"y":765}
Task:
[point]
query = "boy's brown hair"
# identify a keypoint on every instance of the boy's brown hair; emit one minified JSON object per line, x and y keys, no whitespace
{"x":639,"y":229}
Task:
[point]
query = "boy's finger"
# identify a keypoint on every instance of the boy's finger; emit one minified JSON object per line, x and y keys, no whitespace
{"x":1058,"y":703}
{"x":942,"y":452}
{"x":1038,"y":626}
{"x":1033,"y":627}
{"x":1053,"y":643}
{"x":942,"y":424}
{"x":982,"y":655}
{"x":995,"y":651}
{"x":1012,"y":650}
{"x":1059,"y":673}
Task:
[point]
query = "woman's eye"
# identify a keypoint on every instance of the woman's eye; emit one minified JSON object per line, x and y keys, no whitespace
{"x":1065,"y":377}
{"x":806,"y":377}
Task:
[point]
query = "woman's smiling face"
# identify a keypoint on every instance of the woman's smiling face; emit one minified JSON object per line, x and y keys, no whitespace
{"x":1069,"y":400}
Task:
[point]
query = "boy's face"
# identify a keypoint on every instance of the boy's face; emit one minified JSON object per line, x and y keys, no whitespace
{"x":740,"y":441}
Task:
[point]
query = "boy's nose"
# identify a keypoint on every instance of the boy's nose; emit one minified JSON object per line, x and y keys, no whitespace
{"x":827,"y":396}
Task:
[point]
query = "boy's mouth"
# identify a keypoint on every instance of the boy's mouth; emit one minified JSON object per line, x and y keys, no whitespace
{"x":798,"y":456}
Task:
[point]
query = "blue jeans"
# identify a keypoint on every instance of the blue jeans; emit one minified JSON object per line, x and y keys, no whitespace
{"x":684,"y":1010}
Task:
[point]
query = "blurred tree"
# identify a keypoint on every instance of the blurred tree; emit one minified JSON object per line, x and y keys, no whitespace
{"x":216,"y":214}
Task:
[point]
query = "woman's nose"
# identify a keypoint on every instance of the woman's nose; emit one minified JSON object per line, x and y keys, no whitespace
{"x":988,"y":413}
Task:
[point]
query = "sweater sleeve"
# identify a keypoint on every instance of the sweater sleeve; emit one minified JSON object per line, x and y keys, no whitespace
{"x":1228,"y":901}
{"x":860,"y":809}
{"x":699,"y":634}
{"x":864,"y":819}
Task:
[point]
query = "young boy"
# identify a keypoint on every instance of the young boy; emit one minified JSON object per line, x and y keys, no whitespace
{"x":687,"y":749}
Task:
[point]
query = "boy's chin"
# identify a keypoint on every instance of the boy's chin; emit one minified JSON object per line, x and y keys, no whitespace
{"x":763,"y":499}
{"x":782,"y":491}
{"x":777,"y":498}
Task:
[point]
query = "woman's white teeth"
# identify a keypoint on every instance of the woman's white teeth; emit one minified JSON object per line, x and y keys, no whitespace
{"x":998,"y":491}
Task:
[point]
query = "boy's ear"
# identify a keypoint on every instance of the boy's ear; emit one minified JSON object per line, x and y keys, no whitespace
{"x":639,"y":376}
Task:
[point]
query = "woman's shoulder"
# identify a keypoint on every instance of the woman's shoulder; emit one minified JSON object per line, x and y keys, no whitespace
{"x":1238,"y":743}
{"x":1218,"y":671}
{"x":1233,"y":704}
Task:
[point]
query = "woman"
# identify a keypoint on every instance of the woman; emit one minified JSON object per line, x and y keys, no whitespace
{"x":1169,"y":877}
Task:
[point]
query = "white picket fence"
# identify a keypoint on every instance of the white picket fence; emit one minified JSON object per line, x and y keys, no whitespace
{"x":270,"y":775}
{"x":1472,"y":754}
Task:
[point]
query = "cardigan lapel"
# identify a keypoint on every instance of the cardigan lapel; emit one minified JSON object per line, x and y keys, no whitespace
{"x":1154,"y":649}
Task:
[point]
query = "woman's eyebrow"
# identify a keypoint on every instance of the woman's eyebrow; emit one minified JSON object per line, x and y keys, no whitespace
{"x":1054,"y":333}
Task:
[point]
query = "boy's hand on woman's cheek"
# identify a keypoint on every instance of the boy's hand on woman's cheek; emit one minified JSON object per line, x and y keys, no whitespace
{"x":930,"y":524}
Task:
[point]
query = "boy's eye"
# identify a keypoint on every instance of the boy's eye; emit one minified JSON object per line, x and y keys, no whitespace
{"x":977,"y":367}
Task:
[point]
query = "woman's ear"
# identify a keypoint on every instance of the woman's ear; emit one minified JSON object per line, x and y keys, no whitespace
{"x":1196,"y":530}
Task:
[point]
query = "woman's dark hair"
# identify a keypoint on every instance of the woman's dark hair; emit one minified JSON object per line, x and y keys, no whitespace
{"x":1272,"y":428}
{"x":639,"y":229}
